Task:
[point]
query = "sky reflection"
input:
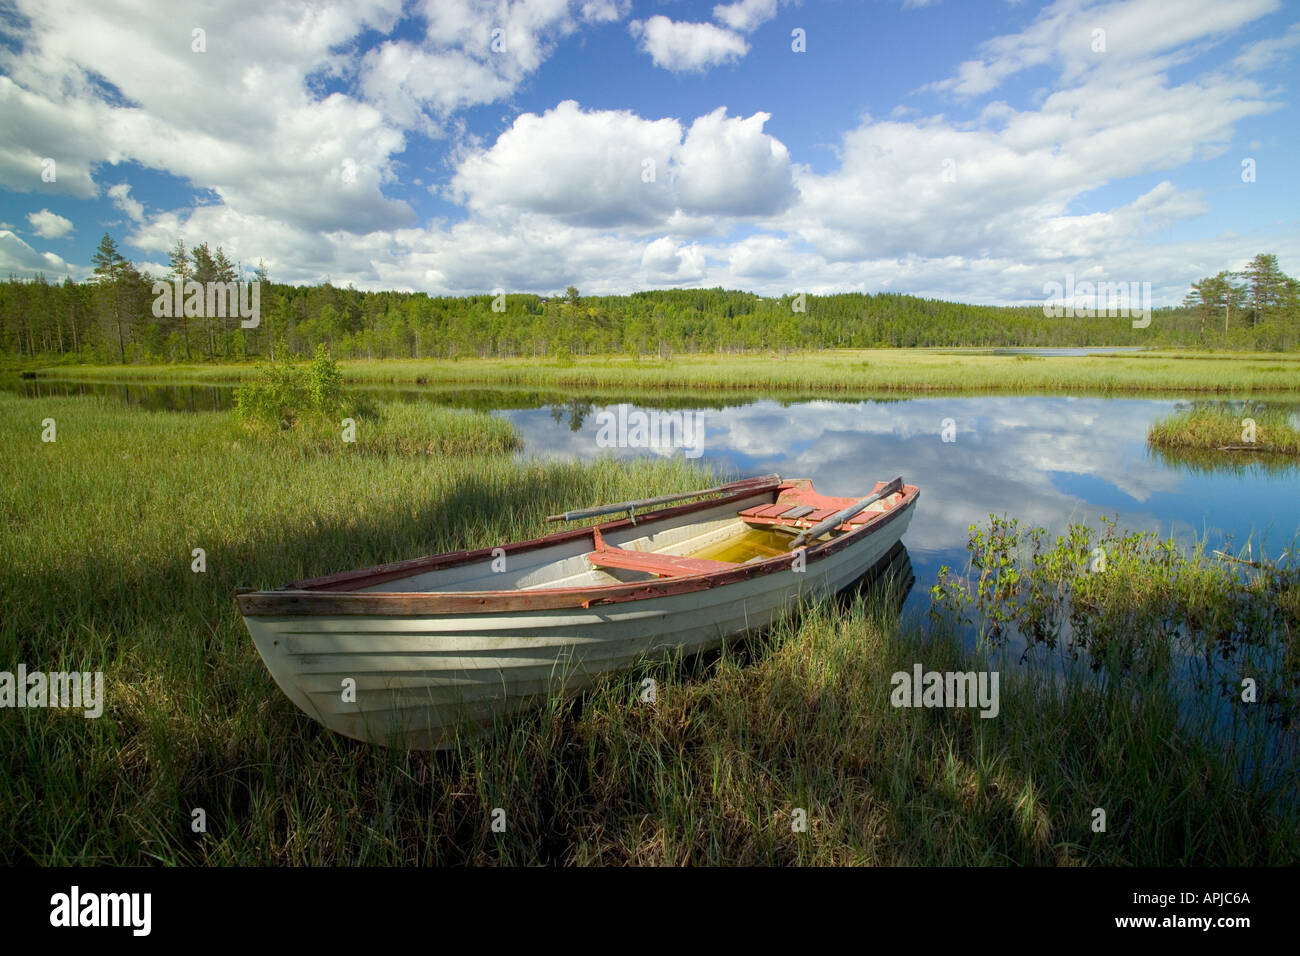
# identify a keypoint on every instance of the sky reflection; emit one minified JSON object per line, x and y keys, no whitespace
{"x":1046,"y":460}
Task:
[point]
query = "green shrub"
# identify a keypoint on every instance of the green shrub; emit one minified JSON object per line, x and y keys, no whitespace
{"x":324,"y":381}
{"x":276,"y":397}
{"x":284,"y":394}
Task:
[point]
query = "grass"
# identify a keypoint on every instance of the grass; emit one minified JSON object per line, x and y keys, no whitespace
{"x":401,"y":429}
{"x":95,"y":574}
{"x":862,"y":371}
{"x":718,"y":770}
{"x":1227,"y":431}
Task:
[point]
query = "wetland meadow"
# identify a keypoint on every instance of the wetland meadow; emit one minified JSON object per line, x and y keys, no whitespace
{"x":150,"y":463}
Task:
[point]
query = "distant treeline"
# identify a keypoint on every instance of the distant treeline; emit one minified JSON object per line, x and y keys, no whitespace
{"x":111,"y":318}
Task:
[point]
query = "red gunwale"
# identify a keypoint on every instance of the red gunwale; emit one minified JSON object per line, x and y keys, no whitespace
{"x":334,"y":594}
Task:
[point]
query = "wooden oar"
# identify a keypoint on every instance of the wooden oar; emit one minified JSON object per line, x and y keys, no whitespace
{"x":629,"y":506}
{"x":837,"y":519}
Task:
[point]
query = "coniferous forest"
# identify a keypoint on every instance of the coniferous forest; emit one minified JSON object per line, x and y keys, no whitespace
{"x":111,"y":318}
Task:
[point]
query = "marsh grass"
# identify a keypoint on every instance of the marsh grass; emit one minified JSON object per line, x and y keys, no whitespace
{"x":1214,"y":428}
{"x":876,"y":370}
{"x":402,"y":429}
{"x":1132,"y":604}
{"x":95,"y":573}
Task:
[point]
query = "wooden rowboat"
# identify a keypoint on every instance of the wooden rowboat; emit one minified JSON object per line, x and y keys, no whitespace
{"x":410,"y":654}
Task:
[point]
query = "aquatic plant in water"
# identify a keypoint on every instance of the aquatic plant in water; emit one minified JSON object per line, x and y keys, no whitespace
{"x":1128,"y":602}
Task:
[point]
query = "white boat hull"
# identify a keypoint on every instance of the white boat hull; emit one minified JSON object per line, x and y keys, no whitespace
{"x":416,"y":680}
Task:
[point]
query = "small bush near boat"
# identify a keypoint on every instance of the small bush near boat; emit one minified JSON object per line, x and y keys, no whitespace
{"x":283,"y":393}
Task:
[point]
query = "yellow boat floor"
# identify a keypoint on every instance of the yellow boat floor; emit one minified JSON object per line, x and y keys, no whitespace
{"x":753,"y":543}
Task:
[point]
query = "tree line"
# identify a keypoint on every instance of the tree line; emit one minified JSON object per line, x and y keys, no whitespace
{"x":111,"y":318}
{"x":1254,"y":295}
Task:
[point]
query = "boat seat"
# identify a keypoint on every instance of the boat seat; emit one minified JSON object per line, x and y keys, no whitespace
{"x":664,"y":565}
{"x":798,"y":507}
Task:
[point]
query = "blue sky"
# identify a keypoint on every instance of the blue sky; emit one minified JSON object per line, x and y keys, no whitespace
{"x":972,"y":151}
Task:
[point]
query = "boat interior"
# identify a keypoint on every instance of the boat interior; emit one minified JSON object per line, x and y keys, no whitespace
{"x":703,"y":538}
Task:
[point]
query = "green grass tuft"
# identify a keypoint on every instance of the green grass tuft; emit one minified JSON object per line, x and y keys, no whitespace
{"x":1215,"y":428}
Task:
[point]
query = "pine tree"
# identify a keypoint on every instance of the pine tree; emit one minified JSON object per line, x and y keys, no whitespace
{"x":1199,"y":299}
{"x":205,"y":271}
{"x":119,"y":283}
{"x":226,"y":273}
{"x":1265,"y":282}
{"x":181,"y":271}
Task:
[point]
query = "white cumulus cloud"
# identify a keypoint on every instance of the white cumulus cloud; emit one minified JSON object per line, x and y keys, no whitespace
{"x":687,"y":47}
{"x":606,"y":168}
{"x":18,"y":258}
{"x":667,"y":262}
{"x":746,"y":15}
{"x":49,"y":225}
{"x":121,"y":196}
